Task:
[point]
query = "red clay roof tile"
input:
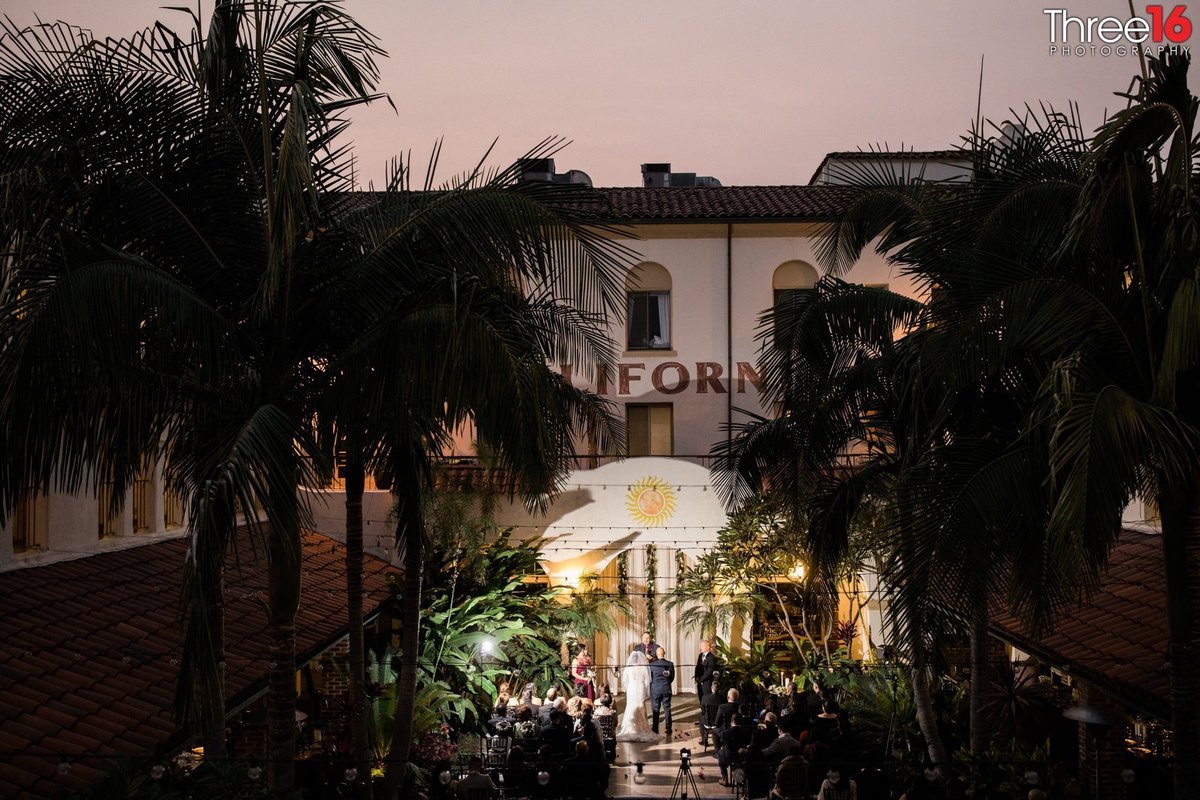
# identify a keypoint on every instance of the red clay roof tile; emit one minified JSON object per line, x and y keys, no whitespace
{"x":1117,"y":639}
{"x":101,"y":632}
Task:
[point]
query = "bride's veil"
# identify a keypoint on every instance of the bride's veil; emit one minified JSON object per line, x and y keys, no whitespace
{"x":634,"y":676}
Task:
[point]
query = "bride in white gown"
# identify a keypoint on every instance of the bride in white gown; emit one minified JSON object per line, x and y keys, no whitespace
{"x":636,"y":683}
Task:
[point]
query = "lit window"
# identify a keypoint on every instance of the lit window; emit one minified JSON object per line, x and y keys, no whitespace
{"x":651,"y":429}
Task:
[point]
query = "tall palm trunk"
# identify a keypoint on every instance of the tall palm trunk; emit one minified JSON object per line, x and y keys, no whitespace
{"x":213,"y":736}
{"x":355,"y":480}
{"x":927,"y":717}
{"x":410,"y":529}
{"x":981,"y":732}
{"x":1181,"y":550}
{"x":283,"y":592}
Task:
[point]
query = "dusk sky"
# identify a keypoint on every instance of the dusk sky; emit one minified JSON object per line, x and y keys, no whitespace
{"x":751,"y":92}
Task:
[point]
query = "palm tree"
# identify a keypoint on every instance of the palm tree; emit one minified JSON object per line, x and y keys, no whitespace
{"x":831,"y":365}
{"x":1121,"y":411}
{"x":486,"y":279}
{"x":1077,"y":275}
{"x":165,"y":285}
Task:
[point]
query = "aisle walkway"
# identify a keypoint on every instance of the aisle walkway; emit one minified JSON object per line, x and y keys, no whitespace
{"x":662,"y":764}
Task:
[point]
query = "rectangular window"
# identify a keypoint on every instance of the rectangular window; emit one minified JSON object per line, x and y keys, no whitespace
{"x":143,"y":501}
{"x":649,"y":321}
{"x":109,"y":523}
{"x":172,"y":509}
{"x":651,"y":429}
{"x":26,"y":525}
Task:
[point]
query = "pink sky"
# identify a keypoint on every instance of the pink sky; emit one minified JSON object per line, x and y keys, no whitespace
{"x":749,"y":91}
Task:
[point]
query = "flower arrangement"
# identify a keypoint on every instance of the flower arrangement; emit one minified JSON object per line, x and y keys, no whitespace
{"x":651,"y":599}
{"x":502,"y":727}
{"x":527,"y":729}
{"x":623,"y":575}
{"x":434,"y":746}
{"x":780,"y":690}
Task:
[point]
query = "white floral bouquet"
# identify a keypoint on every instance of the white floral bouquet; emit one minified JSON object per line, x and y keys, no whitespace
{"x":780,"y":690}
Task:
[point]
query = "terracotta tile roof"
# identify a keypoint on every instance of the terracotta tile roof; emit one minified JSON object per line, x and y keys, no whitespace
{"x":86,"y":649}
{"x":1117,"y":640}
{"x":727,"y":203}
{"x":693,"y":204}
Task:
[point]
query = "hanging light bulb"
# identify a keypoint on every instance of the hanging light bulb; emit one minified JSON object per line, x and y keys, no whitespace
{"x":351,"y":775}
{"x":64,"y":766}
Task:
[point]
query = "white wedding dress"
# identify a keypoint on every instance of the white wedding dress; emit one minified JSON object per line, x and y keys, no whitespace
{"x":636,"y":683}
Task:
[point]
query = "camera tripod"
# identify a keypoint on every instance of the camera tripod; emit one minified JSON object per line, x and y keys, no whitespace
{"x":684,"y":779}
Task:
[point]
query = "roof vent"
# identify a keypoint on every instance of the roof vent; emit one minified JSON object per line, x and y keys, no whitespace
{"x":656,"y":176}
{"x":659,"y":176}
{"x":542,"y":169}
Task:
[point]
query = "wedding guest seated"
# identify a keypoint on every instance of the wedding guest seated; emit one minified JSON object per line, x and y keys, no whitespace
{"x":515,"y":777}
{"x":552,"y":702}
{"x":558,"y":733}
{"x":762,"y":737}
{"x":476,"y":781}
{"x":845,"y":748}
{"x":501,"y":709}
{"x":590,"y":733}
{"x":527,"y":697}
{"x":588,"y":774}
{"x":727,"y":709}
{"x":785,"y":744}
{"x":757,"y":771}
{"x":825,"y":724}
{"x":578,"y":706}
{"x":604,"y":693}
{"x":837,"y":786}
{"x":731,"y":740}
{"x":791,"y":779}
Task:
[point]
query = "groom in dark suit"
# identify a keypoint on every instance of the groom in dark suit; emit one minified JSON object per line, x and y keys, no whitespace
{"x":662,"y":676}
{"x":706,"y":669}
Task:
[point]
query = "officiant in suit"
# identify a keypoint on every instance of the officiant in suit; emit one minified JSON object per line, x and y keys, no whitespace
{"x":662,"y":677}
{"x":648,"y":647}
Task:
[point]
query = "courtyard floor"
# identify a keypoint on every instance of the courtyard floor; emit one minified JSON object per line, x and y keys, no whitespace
{"x":662,"y":763}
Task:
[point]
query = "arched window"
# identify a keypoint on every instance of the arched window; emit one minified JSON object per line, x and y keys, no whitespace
{"x":792,"y":279}
{"x":648,"y":323}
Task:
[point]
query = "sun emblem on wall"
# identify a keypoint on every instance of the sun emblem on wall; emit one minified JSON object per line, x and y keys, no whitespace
{"x":651,"y":501}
